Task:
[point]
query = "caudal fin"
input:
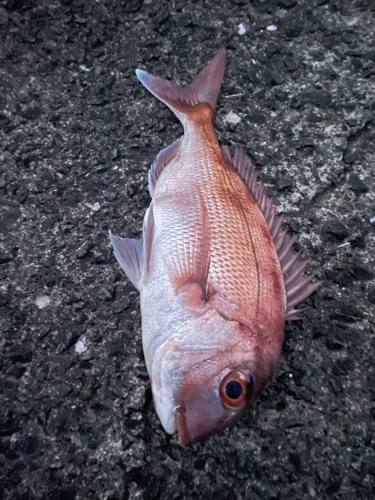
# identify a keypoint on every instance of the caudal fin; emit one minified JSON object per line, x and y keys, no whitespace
{"x":204,"y":89}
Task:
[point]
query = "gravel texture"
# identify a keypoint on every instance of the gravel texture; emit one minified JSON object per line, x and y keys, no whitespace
{"x":77,"y":135}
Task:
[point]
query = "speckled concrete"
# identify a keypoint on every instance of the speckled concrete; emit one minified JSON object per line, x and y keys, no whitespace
{"x":77,"y":135}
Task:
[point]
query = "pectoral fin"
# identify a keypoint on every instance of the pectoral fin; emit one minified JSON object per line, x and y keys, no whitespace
{"x":188,"y":261}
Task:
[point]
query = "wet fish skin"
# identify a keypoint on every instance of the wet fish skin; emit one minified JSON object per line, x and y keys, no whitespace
{"x":212,"y":288}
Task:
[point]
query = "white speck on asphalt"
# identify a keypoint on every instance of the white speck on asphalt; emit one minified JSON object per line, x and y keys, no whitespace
{"x":80,"y":347}
{"x":232,"y":118}
{"x":93,"y":206}
{"x":241,"y":29}
{"x":42,"y":301}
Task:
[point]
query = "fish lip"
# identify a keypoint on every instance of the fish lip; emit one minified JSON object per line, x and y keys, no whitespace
{"x":182,"y":430}
{"x":186,"y":437}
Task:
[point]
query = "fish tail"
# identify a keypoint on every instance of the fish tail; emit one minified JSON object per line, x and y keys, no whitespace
{"x":204,"y":89}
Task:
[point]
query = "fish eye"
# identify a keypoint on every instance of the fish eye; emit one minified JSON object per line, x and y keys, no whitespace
{"x":235,"y":389}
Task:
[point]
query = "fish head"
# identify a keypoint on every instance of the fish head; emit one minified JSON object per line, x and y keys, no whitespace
{"x":205,"y":376}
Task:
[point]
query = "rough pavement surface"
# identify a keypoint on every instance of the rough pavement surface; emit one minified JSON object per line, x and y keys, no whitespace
{"x":78,"y":133}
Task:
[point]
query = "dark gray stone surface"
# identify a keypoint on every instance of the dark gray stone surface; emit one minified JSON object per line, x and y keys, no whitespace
{"x":77,"y":135}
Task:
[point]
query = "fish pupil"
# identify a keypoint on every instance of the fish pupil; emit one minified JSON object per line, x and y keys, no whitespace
{"x":233,"y":389}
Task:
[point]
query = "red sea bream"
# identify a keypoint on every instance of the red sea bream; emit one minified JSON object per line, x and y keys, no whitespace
{"x":216,"y":272}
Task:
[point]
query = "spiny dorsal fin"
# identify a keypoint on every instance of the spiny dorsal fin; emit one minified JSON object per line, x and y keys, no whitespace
{"x":297,"y":286}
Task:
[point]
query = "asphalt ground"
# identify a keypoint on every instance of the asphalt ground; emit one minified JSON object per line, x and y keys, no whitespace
{"x":78,"y":133}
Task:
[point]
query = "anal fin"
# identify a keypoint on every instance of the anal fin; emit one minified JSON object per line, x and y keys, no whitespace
{"x":148,"y":235}
{"x":163,"y":158}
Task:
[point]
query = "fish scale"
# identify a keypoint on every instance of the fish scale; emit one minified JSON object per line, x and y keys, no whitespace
{"x":224,"y":249}
{"x":238,"y":252}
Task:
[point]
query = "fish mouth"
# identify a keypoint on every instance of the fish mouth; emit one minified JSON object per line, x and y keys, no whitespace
{"x":197,"y":431}
{"x":181,"y":426}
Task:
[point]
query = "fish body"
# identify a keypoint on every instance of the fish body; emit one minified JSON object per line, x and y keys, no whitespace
{"x":214,"y":271}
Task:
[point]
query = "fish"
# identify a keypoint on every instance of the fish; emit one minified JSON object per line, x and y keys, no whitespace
{"x":217,"y":273}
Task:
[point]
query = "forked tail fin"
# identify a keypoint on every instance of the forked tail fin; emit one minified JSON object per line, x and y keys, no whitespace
{"x":204,"y":89}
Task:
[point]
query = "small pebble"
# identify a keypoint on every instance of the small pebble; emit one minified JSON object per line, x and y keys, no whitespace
{"x":241,"y":29}
{"x":42,"y":301}
{"x":80,"y":347}
{"x":232,"y":118}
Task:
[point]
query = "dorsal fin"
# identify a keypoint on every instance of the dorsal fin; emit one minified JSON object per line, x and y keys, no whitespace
{"x":297,"y":286}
